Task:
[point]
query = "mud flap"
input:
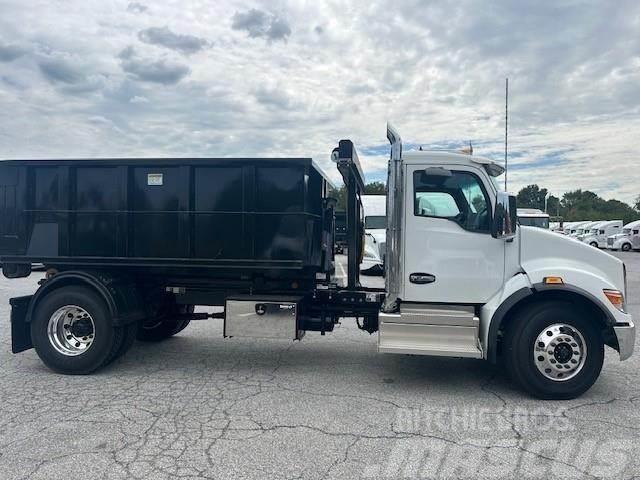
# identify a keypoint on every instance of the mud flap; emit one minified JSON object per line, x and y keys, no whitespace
{"x":20,"y":328}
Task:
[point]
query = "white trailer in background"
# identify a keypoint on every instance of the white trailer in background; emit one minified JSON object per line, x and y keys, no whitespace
{"x":533,"y":217}
{"x":375,"y":222}
{"x":597,"y":236}
{"x":627,"y":240}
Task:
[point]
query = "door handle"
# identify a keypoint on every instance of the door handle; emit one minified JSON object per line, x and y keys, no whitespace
{"x":422,"y":278}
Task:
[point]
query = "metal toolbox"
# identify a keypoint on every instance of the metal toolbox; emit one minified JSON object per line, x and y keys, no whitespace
{"x":263,"y":316}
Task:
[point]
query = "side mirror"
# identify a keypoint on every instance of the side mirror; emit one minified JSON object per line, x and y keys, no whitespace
{"x":505,"y":216}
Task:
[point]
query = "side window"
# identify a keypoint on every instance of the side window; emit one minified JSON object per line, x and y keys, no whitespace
{"x":436,"y":204}
{"x":635,"y":232}
{"x":459,"y":197}
{"x":601,"y":232}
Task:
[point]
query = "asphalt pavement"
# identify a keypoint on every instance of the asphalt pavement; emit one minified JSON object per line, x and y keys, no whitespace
{"x":200,"y":406}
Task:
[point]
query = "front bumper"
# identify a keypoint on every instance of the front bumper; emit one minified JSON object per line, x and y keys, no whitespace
{"x":626,"y":335}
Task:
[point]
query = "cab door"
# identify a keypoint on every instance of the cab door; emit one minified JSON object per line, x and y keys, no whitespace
{"x":450,"y":255}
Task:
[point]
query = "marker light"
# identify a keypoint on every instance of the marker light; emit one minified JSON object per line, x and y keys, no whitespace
{"x":552,"y":280}
{"x":615,"y":297}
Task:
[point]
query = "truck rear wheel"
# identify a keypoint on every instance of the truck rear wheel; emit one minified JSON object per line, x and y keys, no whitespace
{"x":553,"y":351}
{"x":72,"y":332}
{"x":128,"y":339}
{"x":165,"y":324}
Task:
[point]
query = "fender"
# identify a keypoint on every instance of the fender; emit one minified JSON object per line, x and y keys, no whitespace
{"x":119,"y":293}
{"x":525,"y":292}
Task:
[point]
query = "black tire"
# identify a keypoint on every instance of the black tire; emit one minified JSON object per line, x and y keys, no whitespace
{"x":128,"y":338}
{"x":520,"y":341}
{"x":106,"y":341}
{"x":625,"y":247}
{"x":594,"y":244}
{"x":165,"y":325}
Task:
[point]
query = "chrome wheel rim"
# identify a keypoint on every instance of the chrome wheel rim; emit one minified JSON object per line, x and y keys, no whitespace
{"x":71,"y":330}
{"x":559,"y":352}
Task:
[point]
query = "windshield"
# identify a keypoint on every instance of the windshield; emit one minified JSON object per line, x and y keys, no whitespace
{"x":374,"y":222}
{"x":540,"y":222}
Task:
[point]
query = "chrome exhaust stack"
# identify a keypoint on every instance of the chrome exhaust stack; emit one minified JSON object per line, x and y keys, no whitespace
{"x":395,"y":202}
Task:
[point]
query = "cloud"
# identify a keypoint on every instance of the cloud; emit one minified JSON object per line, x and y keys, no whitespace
{"x":435,"y":69}
{"x":135,"y":7}
{"x":9,"y":53}
{"x":258,"y":23}
{"x":162,"y":71}
{"x":273,"y":97}
{"x":162,"y":36}
{"x":58,"y":70}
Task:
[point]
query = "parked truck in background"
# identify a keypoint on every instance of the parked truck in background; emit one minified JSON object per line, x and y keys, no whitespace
{"x":375,"y":222}
{"x":597,"y":236}
{"x":340,"y":236}
{"x":571,"y":228}
{"x":533,"y":217}
{"x":130,"y":247}
{"x":627,"y":240}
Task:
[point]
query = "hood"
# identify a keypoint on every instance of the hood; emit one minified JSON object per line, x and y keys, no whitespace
{"x":618,"y":235}
{"x":542,"y":251}
{"x":380,"y":234}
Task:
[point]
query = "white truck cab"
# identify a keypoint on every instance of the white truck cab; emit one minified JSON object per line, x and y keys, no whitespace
{"x":533,"y":217}
{"x":581,"y":229}
{"x":572,"y":227}
{"x":628,"y":239}
{"x":375,"y":224}
{"x":597,"y":236}
{"x":464,"y":280}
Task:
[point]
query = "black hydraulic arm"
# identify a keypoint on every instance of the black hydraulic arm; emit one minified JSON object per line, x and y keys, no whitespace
{"x":348,"y":163}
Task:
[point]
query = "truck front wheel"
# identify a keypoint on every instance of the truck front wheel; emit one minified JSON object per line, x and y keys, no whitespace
{"x":72,"y":332}
{"x":554,"y":351}
{"x":625,"y":247}
{"x":165,"y":324}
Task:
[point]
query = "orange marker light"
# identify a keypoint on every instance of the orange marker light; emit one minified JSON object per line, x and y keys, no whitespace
{"x":552,"y":280}
{"x":616,"y":298}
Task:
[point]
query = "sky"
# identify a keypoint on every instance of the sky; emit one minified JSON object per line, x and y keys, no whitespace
{"x":223,"y":78}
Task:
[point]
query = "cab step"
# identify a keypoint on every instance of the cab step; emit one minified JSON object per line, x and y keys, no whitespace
{"x":440,"y":330}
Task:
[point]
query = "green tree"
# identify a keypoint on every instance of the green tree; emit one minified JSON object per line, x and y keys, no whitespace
{"x":340,"y":194}
{"x":553,"y":205}
{"x":375,"y":188}
{"x":586,"y":205}
{"x":532,"y":196}
{"x":637,"y":203}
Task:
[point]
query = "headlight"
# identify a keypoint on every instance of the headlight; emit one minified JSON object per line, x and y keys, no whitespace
{"x":615,"y":297}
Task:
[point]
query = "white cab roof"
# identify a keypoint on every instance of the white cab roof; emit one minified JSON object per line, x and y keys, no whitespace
{"x":532,"y":212}
{"x":421,"y":157}
{"x":632,"y":224}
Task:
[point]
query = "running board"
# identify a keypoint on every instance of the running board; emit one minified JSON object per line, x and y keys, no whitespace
{"x":441,"y":330}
